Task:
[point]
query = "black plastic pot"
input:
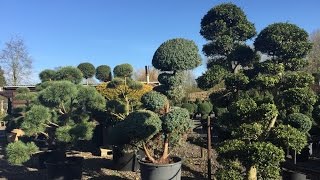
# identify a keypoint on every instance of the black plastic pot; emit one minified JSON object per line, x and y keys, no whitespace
{"x":123,"y":161}
{"x":70,"y":169}
{"x":151,"y":171}
{"x":298,"y":176}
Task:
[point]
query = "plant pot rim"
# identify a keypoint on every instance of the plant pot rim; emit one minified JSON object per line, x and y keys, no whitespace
{"x":177,"y":160}
{"x":68,"y":160}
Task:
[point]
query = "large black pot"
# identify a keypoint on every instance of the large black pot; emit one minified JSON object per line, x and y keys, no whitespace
{"x":151,"y":171}
{"x":125,"y":161}
{"x":70,"y":169}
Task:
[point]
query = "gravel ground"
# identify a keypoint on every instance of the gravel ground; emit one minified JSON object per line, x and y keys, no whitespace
{"x":95,"y":167}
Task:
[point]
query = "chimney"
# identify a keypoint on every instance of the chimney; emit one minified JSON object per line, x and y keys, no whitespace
{"x":147,"y":74}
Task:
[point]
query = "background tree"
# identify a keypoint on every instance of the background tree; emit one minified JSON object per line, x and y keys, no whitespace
{"x":123,"y":70}
{"x":226,"y":29}
{"x":16,"y":61}
{"x":174,"y":57}
{"x":103,"y":73}
{"x":140,"y":74}
{"x":314,"y":55}
{"x":2,"y":78}
{"x":88,"y":70}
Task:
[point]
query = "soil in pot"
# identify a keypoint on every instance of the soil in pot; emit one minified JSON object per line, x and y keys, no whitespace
{"x":150,"y":171}
{"x":71,"y":168}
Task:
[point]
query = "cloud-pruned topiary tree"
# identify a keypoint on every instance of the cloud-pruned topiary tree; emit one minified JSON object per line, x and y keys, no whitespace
{"x":260,"y":102}
{"x":154,"y":131}
{"x":173,"y":57}
{"x":62,"y":113}
{"x":226,"y":29}
{"x":103,"y":73}
{"x":88,"y":70}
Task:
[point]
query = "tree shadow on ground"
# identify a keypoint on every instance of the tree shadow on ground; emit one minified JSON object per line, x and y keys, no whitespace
{"x":196,"y":175}
{"x":11,"y":172}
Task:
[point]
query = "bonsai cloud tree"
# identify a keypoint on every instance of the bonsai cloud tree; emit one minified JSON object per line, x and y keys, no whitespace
{"x":103,"y":73}
{"x":226,"y":28}
{"x":172,"y":58}
{"x":47,"y":75}
{"x":153,"y":129}
{"x":267,"y":105}
{"x":87,"y":69}
{"x":62,"y":113}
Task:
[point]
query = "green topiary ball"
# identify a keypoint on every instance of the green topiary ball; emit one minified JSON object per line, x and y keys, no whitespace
{"x":299,"y":121}
{"x":154,"y":101}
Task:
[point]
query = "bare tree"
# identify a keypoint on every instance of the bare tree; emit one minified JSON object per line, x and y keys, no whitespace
{"x":16,"y":61}
{"x":314,"y":55}
{"x":140,"y":74}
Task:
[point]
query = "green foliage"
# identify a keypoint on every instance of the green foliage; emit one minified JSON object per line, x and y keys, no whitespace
{"x":230,"y":170}
{"x":205,"y":108}
{"x":47,"y":75}
{"x":123,"y":70}
{"x":74,"y":132}
{"x":298,"y":100}
{"x":103,"y":73}
{"x":267,"y":157}
{"x":90,"y":98}
{"x":225,"y":26}
{"x":87,"y":69}
{"x":137,"y":128}
{"x":269,"y":67}
{"x":232,"y":149}
{"x":289,"y":137}
{"x":176,"y":54}
{"x":265,"y":112}
{"x":298,"y":79}
{"x":69,"y":73}
{"x":226,"y":20}
{"x":57,"y":93}
{"x":23,"y":93}
{"x":191,"y":107}
{"x":176,"y":122}
{"x":236,"y":81}
{"x":170,"y":79}
{"x":299,"y":121}
{"x":36,"y":120}
{"x":248,"y":132}
{"x":213,"y":76}
{"x":243,"y":108}
{"x":19,"y":152}
{"x":277,"y":40}
{"x":154,"y":101}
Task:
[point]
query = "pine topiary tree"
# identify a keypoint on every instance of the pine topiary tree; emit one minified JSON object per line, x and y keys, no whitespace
{"x":103,"y":73}
{"x":87,"y":69}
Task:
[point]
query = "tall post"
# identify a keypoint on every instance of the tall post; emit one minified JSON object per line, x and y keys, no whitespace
{"x":209,"y":147}
{"x":147,"y":74}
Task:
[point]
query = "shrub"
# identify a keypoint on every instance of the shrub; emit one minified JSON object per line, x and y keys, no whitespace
{"x":123,"y":70}
{"x":103,"y":73}
{"x":69,"y":73}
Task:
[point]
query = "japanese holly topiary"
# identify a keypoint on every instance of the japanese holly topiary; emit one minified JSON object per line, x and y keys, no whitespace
{"x":267,"y":104}
{"x":153,"y":131}
{"x":173,"y":57}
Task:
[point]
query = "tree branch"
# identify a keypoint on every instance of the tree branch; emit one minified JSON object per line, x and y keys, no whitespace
{"x":150,"y":158}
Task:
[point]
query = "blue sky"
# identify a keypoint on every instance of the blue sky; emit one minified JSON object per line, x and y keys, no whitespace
{"x":68,"y":32}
